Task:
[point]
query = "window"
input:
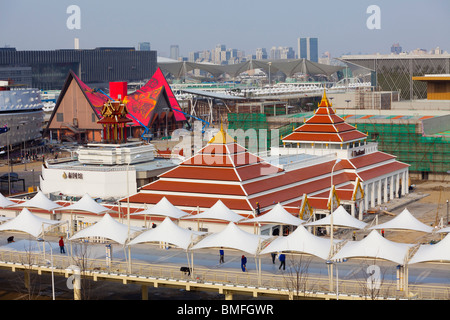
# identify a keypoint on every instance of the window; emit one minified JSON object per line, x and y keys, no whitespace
{"x":60,"y":117}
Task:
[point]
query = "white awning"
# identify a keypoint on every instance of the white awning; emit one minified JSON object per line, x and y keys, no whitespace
{"x":278,"y":215}
{"x":86,"y":204}
{"x":433,"y":252}
{"x":163,"y":208}
{"x":232,"y":237}
{"x":39,"y":201}
{"x":404,"y":221}
{"x":341,"y":218}
{"x":219,"y":211}
{"x":28,"y":223}
{"x":374,"y":246}
{"x":168,"y":232}
{"x":301,"y":241}
{"x":5,"y":202}
{"x":107,"y":228}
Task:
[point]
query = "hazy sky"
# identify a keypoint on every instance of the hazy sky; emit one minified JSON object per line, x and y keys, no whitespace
{"x":242,"y":24}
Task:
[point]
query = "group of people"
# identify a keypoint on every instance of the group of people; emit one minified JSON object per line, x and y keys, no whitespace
{"x":281,"y":257}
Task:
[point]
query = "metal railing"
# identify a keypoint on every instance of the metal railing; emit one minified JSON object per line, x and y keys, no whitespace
{"x":287,"y":283}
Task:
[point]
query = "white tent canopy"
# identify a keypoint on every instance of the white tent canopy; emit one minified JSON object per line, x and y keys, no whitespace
{"x":168,"y":232}
{"x":404,"y":221}
{"x":433,"y":252}
{"x":86,"y":204}
{"x":219,"y":211}
{"x":108,"y":228}
{"x":5,"y":202}
{"x":232,"y":237}
{"x":39,"y":201}
{"x":163,"y":208}
{"x":301,"y":240}
{"x":341,"y":218}
{"x":374,"y":246}
{"x":277,"y":215}
{"x":444,"y":230}
{"x":28,"y":223}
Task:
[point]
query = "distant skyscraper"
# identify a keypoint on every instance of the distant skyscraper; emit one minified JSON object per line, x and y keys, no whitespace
{"x":396,"y":49}
{"x":174,"y":52}
{"x":308,"y":48}
{"x":144,"y":46}
{"x":261,"y":54}
{"x":277,"y":53}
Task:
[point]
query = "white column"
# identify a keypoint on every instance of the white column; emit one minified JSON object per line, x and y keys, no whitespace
{"x":385,"y":190}
{"x":372,"y":194}
{"x":361,"y":209}
{"x":391,"y":187}
{"x":366,"y":196}
{"x":404,"y":184}
{"x":397,"y":184}
{"x":353,"y":209}
{"x":407,"y":181}
{"x":379,"y":200}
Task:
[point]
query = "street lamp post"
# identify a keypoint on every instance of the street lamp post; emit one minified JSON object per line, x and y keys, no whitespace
{"x":331,"y":224}
{"x":51,"y":264}
{"x":128,"y":208}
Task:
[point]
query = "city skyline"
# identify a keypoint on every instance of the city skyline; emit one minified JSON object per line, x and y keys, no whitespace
{"x":247,"y":25}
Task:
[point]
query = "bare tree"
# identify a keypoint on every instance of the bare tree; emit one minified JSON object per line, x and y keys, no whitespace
{"x":80,"y":258}
{"x":372,"y":281}
{"x":28,"y":282}
{"x":296,"y":276}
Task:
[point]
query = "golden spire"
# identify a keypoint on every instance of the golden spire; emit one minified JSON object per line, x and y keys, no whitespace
{"x":325,"y":102}
{"x":221,"y":136}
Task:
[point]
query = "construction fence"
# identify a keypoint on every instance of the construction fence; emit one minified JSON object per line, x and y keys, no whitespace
{"x":405,"y":140}
{"x":257,"y":123}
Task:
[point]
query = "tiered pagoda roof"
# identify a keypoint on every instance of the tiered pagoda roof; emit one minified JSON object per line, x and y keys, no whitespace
{"x":325,"y":126}
{"x":224,"y":170}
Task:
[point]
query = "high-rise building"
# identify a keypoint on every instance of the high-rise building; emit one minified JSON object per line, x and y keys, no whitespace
{"x":277,"y":53}
{"x":193,"y":56}
{"x":174,"y":52}
{"x":308,"y":48}
{"x":287,"y":53}
{"x":396,"y":49}
{"x":144,"y":46}
{"x":48,"y":69}
{"x":261,"y":54}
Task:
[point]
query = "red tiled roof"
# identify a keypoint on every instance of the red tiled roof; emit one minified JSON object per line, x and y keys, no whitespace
{"x":325,"y":126}
{"x":195,"y":187}
{"x":381,"y":170}
{"x":223,"y":160}
{"x":190,"y":201}
{"x":312,"y":137}
{"x":370,"y":159}
{"x":204,"y":173}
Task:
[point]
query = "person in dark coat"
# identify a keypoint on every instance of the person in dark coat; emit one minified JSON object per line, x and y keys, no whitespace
{"x":243,"y":263}
{"x":282,"y":261}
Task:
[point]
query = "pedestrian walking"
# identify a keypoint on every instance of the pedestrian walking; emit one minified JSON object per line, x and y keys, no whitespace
{"x":243,"y":263}
{"x":274,"y":255}
{"x":61,"y":245}
{"x":354,"y":236}
{"x":221,"y":260}
{"x":282,"y":261}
